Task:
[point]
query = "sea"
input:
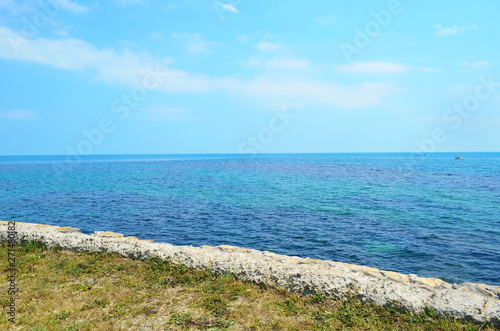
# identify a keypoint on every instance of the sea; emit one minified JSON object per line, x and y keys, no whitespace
{"x":432,"y":215}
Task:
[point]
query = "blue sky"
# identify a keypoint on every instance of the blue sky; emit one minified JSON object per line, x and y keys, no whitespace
{"x":241,"y":76}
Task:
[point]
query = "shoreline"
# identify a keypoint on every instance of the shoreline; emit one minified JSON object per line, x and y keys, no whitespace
{"x":335,"y":280}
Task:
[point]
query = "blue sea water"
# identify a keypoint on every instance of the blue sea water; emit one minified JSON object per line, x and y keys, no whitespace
{"x":429,"y":215}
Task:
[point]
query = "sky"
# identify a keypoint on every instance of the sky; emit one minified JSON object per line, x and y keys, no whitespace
{"x":248,"y":76}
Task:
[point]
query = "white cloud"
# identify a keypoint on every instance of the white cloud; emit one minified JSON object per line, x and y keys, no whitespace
{"x":194,"y":43}
{"x":477,"y":65}
{"x":427,"y":69}
{"x":30,"y":6}
{"x":266,"y":46}
{"x":225,"y":7}
{"x":61,"y":33}
{"x":230,"y":8}
{"x":129,"y":2}
{"x":462,"y":88}
{"x":268,"y":35}
{"x":67,"y":53}
{"x":72,"y":6}
{"x":371,"y":67}
{"x":325,"y":20}
{"x":444,"y":31}
{"x":252,"y":62}
{"x":242,"y":38}
{"x":19,"y":114}
{"x":6,"y":4}
{"x":118,"y":67}
{"x":280,"y":62}
{"x":276,"y":62}
{"x":124,"y":67}
{"x":306,"y":92}
{"x":158,"y":36}
{"x":15,"y":8}
{"x":170,"y":6}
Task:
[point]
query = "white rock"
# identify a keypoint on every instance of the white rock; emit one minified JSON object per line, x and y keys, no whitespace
{"x":340,"y":281}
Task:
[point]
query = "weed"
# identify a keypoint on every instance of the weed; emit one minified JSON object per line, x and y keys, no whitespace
{"x":318,"y":297}
{"x":103,"y":291}
{"x":288,"y":306}
{"x":61,"y":315}
{"x":181,"y":319}
{"x":430,"y":312}
{"x":216,"y":305}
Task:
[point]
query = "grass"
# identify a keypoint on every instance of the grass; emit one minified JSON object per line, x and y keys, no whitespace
{"x":62,"y":290}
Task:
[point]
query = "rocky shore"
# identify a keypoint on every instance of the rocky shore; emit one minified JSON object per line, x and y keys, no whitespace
{"x":335,"y":280}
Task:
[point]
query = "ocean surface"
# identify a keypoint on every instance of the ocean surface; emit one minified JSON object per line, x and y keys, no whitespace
{"x":431,"y":215}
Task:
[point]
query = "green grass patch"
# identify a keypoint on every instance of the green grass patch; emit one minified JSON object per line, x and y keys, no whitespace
{"x":62,"y":290}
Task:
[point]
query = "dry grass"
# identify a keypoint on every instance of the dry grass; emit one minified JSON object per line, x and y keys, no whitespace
{"x":62,"y":290}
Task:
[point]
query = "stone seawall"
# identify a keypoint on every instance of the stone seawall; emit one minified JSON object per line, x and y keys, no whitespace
{"x":335,"y":280}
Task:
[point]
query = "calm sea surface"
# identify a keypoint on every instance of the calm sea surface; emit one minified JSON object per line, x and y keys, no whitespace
{"x":429,"y":215}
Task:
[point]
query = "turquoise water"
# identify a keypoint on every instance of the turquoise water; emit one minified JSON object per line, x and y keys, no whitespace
{"x":429,"y":215}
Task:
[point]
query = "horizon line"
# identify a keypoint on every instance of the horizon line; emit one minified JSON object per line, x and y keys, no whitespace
{"x":245,"y":154}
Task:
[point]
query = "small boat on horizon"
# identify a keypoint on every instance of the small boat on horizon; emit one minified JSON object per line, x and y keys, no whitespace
{"x":458,"y":158}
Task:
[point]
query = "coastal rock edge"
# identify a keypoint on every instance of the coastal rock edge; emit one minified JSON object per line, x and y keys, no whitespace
{"x":336,"y":280}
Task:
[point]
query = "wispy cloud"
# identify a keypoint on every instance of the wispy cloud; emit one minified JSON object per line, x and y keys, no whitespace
{"x":124,"y":67}
{"x":14,"y":7}
{"x":276,"y":63}
{"x":428,"y":69}
{"x":242,"y":38}
{"x":30,"y":6}
{"x":477,"y":65}
{"x":61,"y":33}
{"x":288,"y":63}
{"x":72,"y":6}
{"x":158,"y":36}
{"x":19,"y":114}
{"x":194,"y":43}
{"x":312,"y":92}
{"x":325,"y":20}
{"x":444,"y":31}
{"x":6,"y":3}
{"x":225,"y":7}
{"x":266,"y":46}
{"x":462,"y":88}
{"x":130,"y":2}
{"x":371,"y":67}
{"x":230,"y":8}
{"x":170,"y":6}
